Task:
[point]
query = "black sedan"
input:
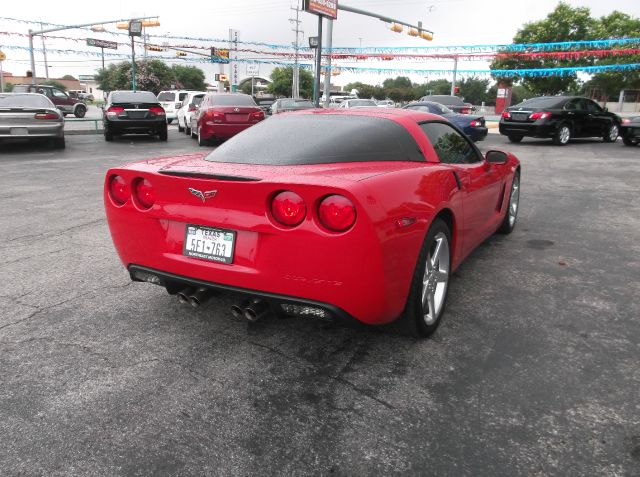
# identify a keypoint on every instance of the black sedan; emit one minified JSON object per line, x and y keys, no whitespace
{"x":560,"y":118}
{"x":133,"y":112}
{"x":472,"y":126}
{"x":630,"y":131}
{"x":454,"y":103}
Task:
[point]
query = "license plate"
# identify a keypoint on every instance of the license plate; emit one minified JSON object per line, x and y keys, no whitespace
{"x":519,"y":116}
{"x":209,"y":243}
{"x":19,"y":131}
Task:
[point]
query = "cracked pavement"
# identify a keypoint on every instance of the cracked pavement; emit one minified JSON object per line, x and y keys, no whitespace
{"x":535,"y":369}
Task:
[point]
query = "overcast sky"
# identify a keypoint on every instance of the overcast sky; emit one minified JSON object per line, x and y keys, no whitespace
{"x":454,"y":22}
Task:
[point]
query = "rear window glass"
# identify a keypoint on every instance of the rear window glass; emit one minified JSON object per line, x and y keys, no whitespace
{"x":25,"y":101}
{"x":131,"y":97}
{"x":433,"y":108}
{"x":197,"y":99}
{"x":232,"y":100}
{"x":166,"y":96}
{"x":181,"y":96}
{"x":296,"y":103}
{"x":543,"y":102}
{"x":448,"y":100}
{"x":361,"y":103}
{"x":319,"y":139}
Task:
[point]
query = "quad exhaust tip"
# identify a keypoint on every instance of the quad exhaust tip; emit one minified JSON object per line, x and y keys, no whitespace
{"x":251,"y":310}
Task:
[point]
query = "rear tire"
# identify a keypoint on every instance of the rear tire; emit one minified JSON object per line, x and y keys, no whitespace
{"x":201,"y":141}
{"x":180,"y":128}
{"x":187,"y":130}
{"x":513,"y":138}
{"x":163,"y":135}
{"x":194,"y":133}
{"x":108,"y":136}
{"x":562,"y":135}
{"x":611,"y":134}
{"x":513,"y":205}
{"x":430,"y":284}
{"x":80,"y":111}
{"x":629,"y":142}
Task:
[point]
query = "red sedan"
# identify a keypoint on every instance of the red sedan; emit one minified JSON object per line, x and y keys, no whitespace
{"x":223,"y":115}
{"x":360,"y":213}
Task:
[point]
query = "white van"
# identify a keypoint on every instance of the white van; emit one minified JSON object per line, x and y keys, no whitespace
{"x":171,"y":101}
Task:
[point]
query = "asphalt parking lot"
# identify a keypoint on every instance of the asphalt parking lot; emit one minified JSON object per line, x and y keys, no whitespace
{"x":535,"y":369}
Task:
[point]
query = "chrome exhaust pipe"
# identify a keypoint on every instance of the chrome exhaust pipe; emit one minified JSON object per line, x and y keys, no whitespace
{"x":256,"y":310}
{"x":200,"y":297}
{"x":183,"y":295}
{"x":238,"y":310}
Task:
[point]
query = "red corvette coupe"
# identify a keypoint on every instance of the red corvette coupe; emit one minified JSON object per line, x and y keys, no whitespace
{"x":359,"y":213}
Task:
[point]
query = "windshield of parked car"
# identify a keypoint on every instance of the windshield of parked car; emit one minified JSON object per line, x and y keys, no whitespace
{"x":232,"y":100}
{"x":131,"y":97}
{"x":25,"y":101}
{"x":543,"y":102}
{"x":166,"y":96}
{"x":319,"y":139}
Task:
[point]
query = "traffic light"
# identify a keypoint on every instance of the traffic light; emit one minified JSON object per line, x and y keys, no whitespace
{"x":397,"y":28}
{"x":153,"y":47}
{"x":456,"y":90}
{"x":426,"y":35}
{"x":150,"y":23}
{"x":180,"y":53}
{"x":221,"y":77}
{"x":412,"y":32}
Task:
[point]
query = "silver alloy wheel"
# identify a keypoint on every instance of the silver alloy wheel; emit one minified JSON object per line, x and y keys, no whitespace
{"x":613,"y":133}
{"x":435,"y":279}
{"x":565,"y":134}
{"x":514,"y":200}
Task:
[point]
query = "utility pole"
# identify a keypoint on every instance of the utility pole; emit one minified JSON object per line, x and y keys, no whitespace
{"x":455,"y":72}
{"x":133,"y":66}
{"x":295,"y":87}
{"x":316,"y":88}
{"x":327,"y":73}
{"x":44,"y":52}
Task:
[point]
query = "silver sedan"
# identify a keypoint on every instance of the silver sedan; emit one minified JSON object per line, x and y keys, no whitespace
{"x":30,"y":116}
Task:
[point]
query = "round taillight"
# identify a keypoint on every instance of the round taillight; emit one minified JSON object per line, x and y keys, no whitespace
{"x":119,"y":190}
{"x":337,"y":213}
{"x":145,"y":193}
{"x":288,"y":208}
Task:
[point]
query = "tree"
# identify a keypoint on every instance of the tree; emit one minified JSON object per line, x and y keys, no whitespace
{"x":474,"y":90}
{"x":282,"y":81}
{"x":68,"y":77}
{"x":55,"y":84}
{"x":8,"y":87}
{"x":188,"y":77}
{"x":151,"y":75}
{"x":398,"y":82}
{"x":563,"y":24}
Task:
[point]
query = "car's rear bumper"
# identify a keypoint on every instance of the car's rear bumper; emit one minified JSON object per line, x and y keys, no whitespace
{"x":135,"y":126}
{"x":305,"y":307}
{"x":527,"y":129}
{"x":223,"y":131}
{"x":32,"y":130}
{"x":630,"y":132}
{"x":477,"y":134}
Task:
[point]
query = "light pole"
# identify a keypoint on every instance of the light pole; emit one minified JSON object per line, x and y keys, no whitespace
{"x":135,"y":29}
{"x":313,"y":43}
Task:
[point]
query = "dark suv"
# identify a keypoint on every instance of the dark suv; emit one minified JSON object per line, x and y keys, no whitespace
{"x":560,"y":118}
{"x":59,"y":98}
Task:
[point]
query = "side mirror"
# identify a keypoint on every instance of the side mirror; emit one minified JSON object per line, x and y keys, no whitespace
{"x":496,"y":157}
